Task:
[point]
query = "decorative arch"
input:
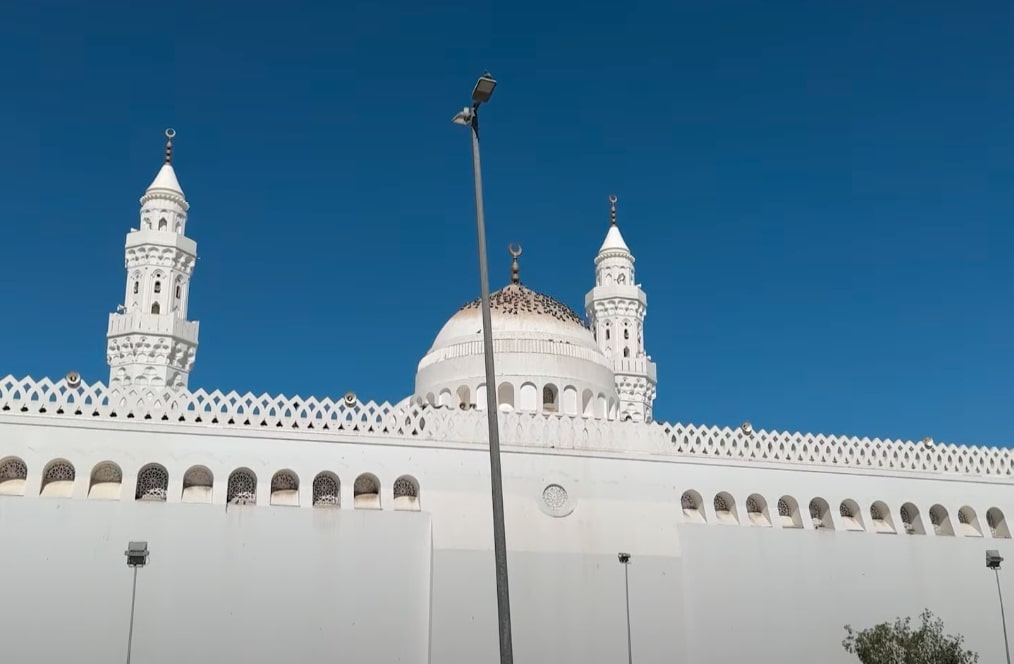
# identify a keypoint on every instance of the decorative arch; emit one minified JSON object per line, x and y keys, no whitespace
{"x":58,"y":479}
{"x":163,"y":224}
{"x":505,"y":396}
{"x":851,"y":515}
{"x":911,"y":520}
{"x":198,"y":483}
{"x":464,"y":397}
{"x":285,"y":488}
{"x":941,"y":521}
{"x":152,"y":483}
{"x":880,"y":516}
{"x":406,"y":494}
{"x":788,"y":513}
{"x":968,"y":522}
{"x":13,"y":475}
{"x":326,"y":490}
{"x":693,"y":507}
{"x":528,"y":397}
{"x":820,"y":514}
{"x":725,"y":508}
{"x":366,"y":492}
{"x":588,"y":403}
{"x":446,"y":397}
{"x":242,"y":487}
{"x":757,"y":510}
{"x":105,"y":482}
{"x":568,"y":401}
{"x":997,"y":523}
{"x":550,"y":398}
{"x":155,"y":308}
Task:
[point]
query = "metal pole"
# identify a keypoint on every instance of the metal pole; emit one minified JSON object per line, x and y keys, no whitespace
{"x":1003,"y":620}
{"x":130,"y":632}
{"x":626,"y":591}
{"x":503,"y":602}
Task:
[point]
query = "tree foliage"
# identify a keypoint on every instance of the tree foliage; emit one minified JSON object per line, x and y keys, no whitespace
{"x":898,"y":643}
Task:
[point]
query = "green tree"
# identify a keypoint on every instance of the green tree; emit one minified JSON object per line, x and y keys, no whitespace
{"x":898,"y":643}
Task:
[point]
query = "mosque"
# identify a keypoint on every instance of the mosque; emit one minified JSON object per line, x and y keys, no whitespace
{"x":329,"y":529}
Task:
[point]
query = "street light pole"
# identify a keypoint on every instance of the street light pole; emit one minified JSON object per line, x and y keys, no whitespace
{"x":993,"y":560}
{"x":625,"y":561}
{"x":137,"y":556}
{"x":470,"y":117}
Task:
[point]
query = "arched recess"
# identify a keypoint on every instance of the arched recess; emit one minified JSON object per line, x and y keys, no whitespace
{"x":326,"y":490}
{"x":105,"y":482}
{"x":505,"y":396}
{"x":997,"y":523}
{"x":568,"y":401}
{"x":464,"y":396}
{"x":788,"y":513}
{"x":528,"y":397}
{"x":725,"y":508}
{"x":58,"y":479}
{"x":757,"y":510}
{"x":693,"y":507}
{"x":550,"y":398}
{"x":242,"y":487}
{"x":481,"y":397}
{"x":13,"y":474}
{"x":446,"y":397}
{"x":285,"y":488}
{"x":588,"y":403}
{"x":198,"y":483}
{"x":820,"y":514}
{"x":880,"y":518}
{"x":406,"y":494}
{"x":366,"y":492}
{"x":941,"y":521}
{"x":851,"y":515}
{"x":152,"y":483}
{"x":601,"y":407}
{"x":911,"y":520}
{"x":968,"y":522}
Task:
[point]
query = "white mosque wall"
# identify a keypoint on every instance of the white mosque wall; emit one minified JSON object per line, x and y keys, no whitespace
{"x":222,"y":585}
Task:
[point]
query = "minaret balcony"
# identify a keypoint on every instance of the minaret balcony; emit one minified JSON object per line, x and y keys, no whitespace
{"x":635,"y":366}
{"x":147,"y":236}
{"x":156,"y":324}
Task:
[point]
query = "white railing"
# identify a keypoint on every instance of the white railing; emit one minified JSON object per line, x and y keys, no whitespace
{"x":57,"y":399}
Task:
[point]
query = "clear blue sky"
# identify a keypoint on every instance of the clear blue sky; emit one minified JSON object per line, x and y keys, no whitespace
{"x":820,"y":195}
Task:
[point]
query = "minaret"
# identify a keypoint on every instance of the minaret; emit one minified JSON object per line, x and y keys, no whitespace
{"x":615,"y":310}
{"x":150,"y":342}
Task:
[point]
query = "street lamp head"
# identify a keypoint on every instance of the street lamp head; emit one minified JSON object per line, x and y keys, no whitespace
{"x":623,"y":558}
{"x":483,"y":89}
{"x":993,"y":559}
{"x":137,"y":554}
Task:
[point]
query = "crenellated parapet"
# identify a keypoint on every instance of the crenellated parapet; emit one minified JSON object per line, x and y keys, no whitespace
{"x":30,"y":397}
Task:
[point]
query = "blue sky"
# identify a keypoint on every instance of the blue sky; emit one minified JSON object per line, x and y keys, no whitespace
{"x":819,"y":194}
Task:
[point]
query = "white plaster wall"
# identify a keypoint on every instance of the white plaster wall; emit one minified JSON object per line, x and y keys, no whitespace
{"x":238,"y":585}
{"x":697,"y":584}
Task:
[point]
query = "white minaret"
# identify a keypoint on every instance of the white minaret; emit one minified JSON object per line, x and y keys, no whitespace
{"x":150,"y":342}
{"x":616,"y":309}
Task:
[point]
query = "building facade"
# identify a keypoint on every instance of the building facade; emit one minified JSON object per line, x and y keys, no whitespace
{"x":318,"y":529}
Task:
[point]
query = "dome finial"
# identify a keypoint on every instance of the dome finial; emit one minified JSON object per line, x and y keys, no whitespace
{"x":515,"y":251}
{"x":612,"y":210}
{"x":170,"y":134}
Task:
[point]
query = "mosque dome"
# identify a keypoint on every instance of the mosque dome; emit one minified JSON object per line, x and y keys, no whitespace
{"x":546,"y":357}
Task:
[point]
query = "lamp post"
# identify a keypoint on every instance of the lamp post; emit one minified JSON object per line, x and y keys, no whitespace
{"x":137,"y":556}
{"x":624,"y":559}
{"x":993,"y":560}
{"x":469,"y":117}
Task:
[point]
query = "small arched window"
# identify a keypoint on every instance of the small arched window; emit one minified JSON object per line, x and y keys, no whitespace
{"x":163,"y":224}
{"x":158,"y":286}
{"x":626,"y":352}
{"x":607,"y":334}
{"x":626,"y":333}
{"x":137,"y":287}
{"x":155,"y":308}
{"x":178,"y":291}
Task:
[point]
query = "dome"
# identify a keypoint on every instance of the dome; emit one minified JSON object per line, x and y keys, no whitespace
{"x":546,"y":358}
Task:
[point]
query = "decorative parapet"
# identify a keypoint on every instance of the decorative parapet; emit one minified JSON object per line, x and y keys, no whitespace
{"x":58,"y":399}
